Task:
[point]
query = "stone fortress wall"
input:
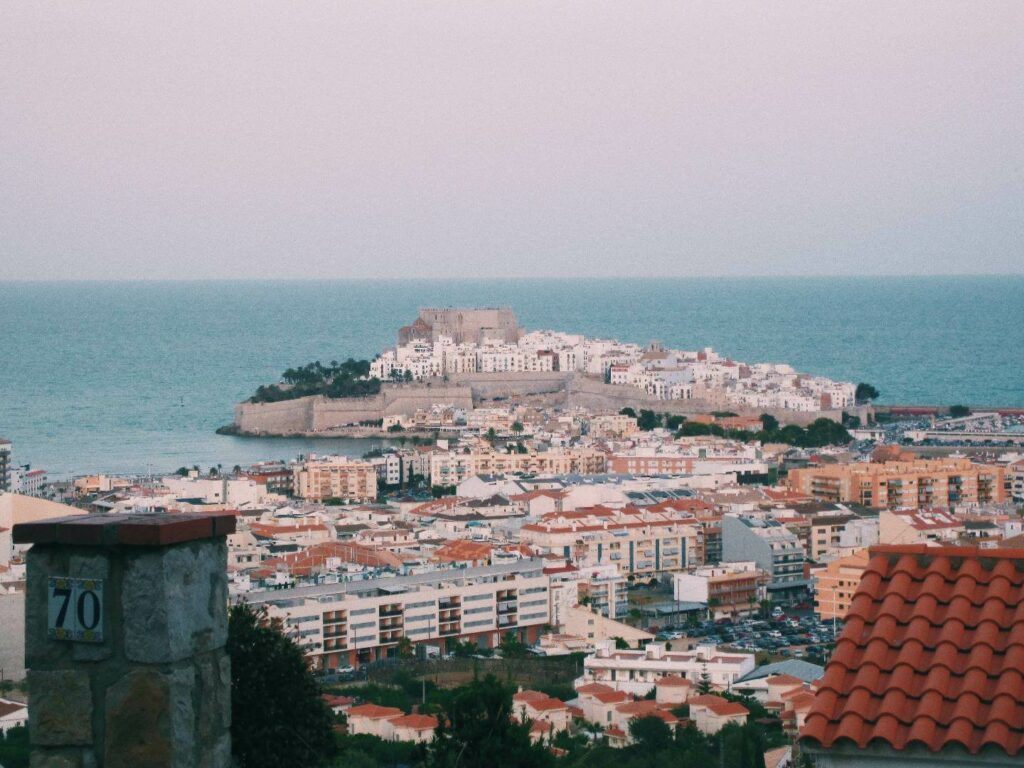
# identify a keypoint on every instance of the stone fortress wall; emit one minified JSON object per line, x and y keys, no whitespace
{"x":568,"y":390}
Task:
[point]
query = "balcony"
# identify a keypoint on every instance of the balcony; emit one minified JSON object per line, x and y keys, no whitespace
{"x":507,"y":620}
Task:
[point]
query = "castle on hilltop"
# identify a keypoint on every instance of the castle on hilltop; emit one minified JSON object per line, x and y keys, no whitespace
{"x":463,"y":325}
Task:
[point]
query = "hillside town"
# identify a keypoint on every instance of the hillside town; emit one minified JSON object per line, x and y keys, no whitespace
{"x":698,"y":569}
{"x":711,"y":574}
{"x":465,"y":341}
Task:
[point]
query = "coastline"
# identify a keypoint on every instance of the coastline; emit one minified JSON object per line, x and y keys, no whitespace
{"x":351,"y":433}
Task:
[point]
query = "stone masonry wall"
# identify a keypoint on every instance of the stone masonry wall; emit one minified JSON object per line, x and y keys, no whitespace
{"x":156,"y":693}
{"x":319,"y":414}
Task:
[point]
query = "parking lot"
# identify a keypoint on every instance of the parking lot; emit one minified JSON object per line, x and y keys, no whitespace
{"x":800,"y":636}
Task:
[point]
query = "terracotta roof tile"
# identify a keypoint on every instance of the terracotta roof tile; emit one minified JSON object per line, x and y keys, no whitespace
{"x":931,"y":653}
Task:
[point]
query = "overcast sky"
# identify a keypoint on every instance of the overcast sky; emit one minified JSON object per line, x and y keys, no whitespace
{"x":484,"y":139}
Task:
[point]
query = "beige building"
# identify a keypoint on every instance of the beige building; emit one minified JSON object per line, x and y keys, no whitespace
{"x":336,"y":478}
{"x":390,"y":723}
{"x":915,"y":484}
{"x":918,"y":527}
{"x":615,"y":425}
{"x":710,"y":713}
{"x":728,"y":589}
{"x":595,"y":628}
{"x":463,"y":325}
{"x":452,"y":468}
{"x":836,"y":583}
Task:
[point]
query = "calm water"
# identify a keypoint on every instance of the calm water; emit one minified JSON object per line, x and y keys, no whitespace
{"x":136,"y":376}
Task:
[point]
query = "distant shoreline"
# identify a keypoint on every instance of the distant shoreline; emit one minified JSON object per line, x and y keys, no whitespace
{"x":350,"y":433}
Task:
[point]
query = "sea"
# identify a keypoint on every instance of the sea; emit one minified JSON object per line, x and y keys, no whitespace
{"x":135,"y":377}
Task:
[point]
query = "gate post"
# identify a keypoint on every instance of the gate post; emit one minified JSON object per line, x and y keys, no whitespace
{"x":125,"y":632}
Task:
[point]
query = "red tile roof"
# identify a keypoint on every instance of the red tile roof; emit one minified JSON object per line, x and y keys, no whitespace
{"x":374,"y":712}
{"x":414,"y":721}
{"x":719,"y":706}
{"x":932,"y":653}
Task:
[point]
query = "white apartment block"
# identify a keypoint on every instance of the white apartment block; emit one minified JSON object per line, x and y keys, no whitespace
{"x":640,"y":542}
{"x":637,"y":672}
{"x":355,"y":622}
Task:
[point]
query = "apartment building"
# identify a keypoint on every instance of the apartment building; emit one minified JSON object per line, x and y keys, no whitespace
{"x":703,"y":457}
{"x":452,"y":468}
{"x":637,"y":672}
{"x":336,"y":477}
{"x":915,"y":484}
{"x":729,"y":589}
{"x":5,"y":464}
{"x":836,"y":583}
{"x":776,"y":550}
{"x":919,"y":526}
{"x":356,"y":622}
{"x":613,"y":425}
{"x":1015,"y":480}
{"x":641,"y":542}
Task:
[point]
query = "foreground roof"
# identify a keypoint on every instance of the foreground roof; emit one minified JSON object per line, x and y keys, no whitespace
{"x":932,"y":653}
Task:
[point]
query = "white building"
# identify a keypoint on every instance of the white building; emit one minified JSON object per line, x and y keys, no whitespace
{"x":637,"y":672}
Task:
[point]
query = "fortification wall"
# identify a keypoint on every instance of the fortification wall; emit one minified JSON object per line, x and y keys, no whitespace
{"x":408,"y":399}
{"x":320,"y":414}
{"x":285,"y":417}
{"x":487,"y":386}
{"x":595,"y":395}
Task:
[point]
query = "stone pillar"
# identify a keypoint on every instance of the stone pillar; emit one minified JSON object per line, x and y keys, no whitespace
{"x":133,"y":672}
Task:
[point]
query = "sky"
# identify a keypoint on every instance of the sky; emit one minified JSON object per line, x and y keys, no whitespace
{"x":315,"y":140}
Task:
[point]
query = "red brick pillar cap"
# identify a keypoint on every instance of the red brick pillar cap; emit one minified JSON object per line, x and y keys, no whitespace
{"x":137,"y":530}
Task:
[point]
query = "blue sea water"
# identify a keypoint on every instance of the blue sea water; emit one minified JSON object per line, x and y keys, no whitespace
{"x":135,"y":377}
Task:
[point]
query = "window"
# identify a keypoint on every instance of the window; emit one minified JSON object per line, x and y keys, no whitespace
{"x":474,"y":598}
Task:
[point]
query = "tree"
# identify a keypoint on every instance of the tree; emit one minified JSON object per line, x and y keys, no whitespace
{"x":769,"y":423}
{"x":620,"y":644}
{"x":183,"y":471}
{"x":479,"y":732}
{"x":704,"y":683}
{"x":512,"y":647}
{"x":651,"y":734}
{"x":865,"y":393}
{"x":628,"y":412}
{"x":959,"y":411}
{"x":14,"y":747}
{"x":517,"y":427}
{"x":491,"y":434}
{"x":405,"y":649}
{"x":674,"y":421}
{"x":277,"y":716}
{"x":648,"y":420}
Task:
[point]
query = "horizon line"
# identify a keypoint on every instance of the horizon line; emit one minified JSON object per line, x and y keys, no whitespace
{"x":818,"y":276}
